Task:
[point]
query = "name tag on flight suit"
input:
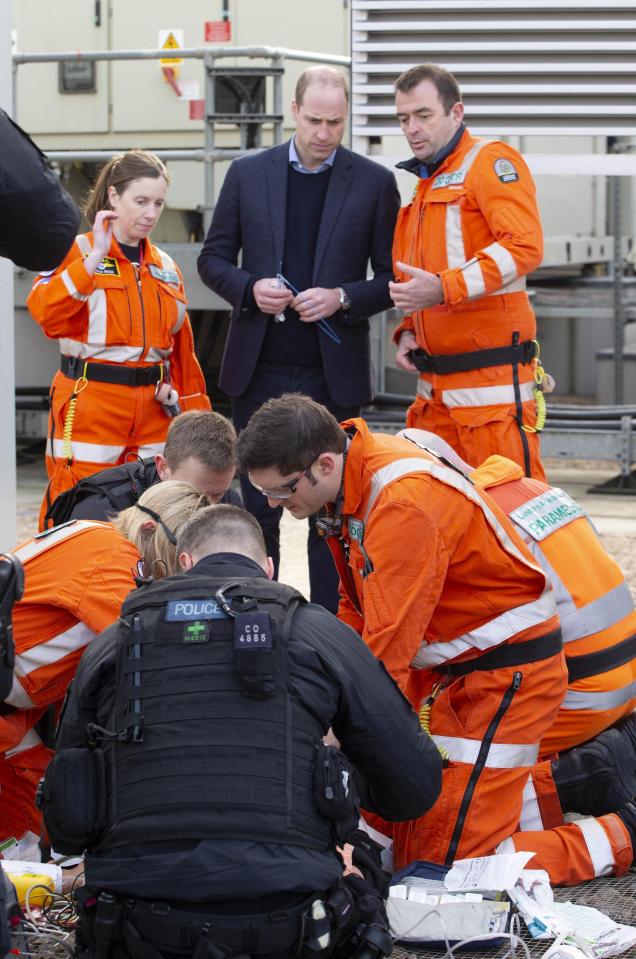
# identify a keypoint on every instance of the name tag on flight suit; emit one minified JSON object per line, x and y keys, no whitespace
{"x":546,"y":513}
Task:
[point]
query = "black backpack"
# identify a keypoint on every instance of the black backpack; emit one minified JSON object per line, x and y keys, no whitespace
{"x":111,"y":490}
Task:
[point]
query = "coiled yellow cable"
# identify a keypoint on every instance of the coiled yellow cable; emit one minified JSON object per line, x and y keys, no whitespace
{"x":67,"y":432}
{"x":425,"y":721}
{"x":539,"y":395}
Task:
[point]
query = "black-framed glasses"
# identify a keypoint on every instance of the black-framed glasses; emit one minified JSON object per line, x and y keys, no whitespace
{"x":285,"y":490}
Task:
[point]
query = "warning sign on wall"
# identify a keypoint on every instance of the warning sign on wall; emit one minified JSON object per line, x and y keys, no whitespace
{"x":171,"y":40}
{"x":217,"y":31}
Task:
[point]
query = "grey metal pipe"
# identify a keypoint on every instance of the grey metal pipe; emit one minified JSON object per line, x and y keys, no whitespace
{"x":190,"y":53}
{"x":96,"y":156}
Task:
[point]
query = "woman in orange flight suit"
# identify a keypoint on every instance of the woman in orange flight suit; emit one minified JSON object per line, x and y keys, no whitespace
{"x":117,"y":305}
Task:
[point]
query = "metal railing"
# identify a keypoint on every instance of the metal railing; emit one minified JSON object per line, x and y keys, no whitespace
{"x":210,"y":153}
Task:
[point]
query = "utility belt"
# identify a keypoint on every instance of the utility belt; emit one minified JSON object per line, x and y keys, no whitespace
{"x":76,"y":368}
{"x":475,"y":360}
{"x":510,"y":654}
{"x":311,"y":926}
{"x":591,"y":664}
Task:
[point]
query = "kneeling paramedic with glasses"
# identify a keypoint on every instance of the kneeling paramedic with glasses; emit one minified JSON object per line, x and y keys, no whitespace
{"x":198,"y":721}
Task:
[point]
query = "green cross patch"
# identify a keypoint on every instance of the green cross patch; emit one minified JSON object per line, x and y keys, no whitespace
{"x":196,"y":632}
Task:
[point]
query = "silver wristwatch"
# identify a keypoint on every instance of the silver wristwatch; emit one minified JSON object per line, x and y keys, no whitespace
{"x":345,"y":299}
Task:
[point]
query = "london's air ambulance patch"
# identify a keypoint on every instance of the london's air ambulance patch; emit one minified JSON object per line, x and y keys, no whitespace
{"x":505,"y":171}
{"x":108,"y":267}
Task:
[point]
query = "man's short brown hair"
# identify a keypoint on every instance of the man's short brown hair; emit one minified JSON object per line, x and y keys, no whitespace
{"x":222,"y":529}
{"x":322,"y":75}
{"x":445,"y":83}
{"x":208,"y":437}
{"x":288,"y":434}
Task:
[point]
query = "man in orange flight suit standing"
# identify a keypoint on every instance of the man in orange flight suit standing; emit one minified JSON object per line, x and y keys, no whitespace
{"x":442,"y":590}
{"x":597,"y":777}
{"x":462,"y":249}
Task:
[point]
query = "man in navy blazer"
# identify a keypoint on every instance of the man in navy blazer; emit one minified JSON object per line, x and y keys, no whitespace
{"x":307,"y":216}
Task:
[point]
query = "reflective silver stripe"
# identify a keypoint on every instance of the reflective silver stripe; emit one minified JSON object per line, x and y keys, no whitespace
{"x":84,"y":244}
{"x":167,"y":263}
{"x":518,"y":286}
{"x":55,"y":649}
{"x":86,"y":452}
{"x":530,"y":818}
{"x":505,"y":848}
{"x":36,"y":546}
{"x":601,"y":613}
{"x":474,"y":279}
{"x":487,"y":395}
{"x":157,"y":355}
{"x":471,"y":156}
{"x":97,"y":317}
{"x":71,"y":288}
{"x":455,"y":252}
{"x":491,"y":634}
{"x":598,"y":846}
{"x":500,"y":755}
{"x":18,"y":696}
{"x":30,"y":740}
{"x":504,"y":260}
{"x":610,"y":699}
{"x":88,"y":351}
{"x":424,"y":389}
{"x":150,"y":449}
{"x":181,"y":315}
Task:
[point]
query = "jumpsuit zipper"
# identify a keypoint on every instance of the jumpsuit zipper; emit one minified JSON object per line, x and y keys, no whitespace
{"x":143,"y":314}
{"x":479,"y":766}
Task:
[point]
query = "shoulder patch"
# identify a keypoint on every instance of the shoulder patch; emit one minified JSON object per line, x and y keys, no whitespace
{"x":108,"y":267}
{"x":166,"y":276}
{"x":546,"y":513}
{"x":505,"y":170}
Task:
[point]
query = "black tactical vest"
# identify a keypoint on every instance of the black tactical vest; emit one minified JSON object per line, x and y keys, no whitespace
{"x":206,"y":740}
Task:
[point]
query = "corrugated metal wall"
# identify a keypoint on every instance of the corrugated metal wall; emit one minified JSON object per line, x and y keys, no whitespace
{"x":524,"y":66}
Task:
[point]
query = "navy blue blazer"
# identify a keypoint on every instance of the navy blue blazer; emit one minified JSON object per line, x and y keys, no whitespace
{"x":357,"y":226}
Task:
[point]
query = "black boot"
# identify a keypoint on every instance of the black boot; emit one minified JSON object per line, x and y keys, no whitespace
{"x":600,"y":776}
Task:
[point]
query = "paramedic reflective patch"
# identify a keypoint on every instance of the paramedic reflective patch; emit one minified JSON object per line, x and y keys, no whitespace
{"x":546,"y":513}
{"x":108,"y":267}
{"x":450,"y":179}
{"x":166,"y":276}
{"x":505,"y":171}
{"x":186,"y":610}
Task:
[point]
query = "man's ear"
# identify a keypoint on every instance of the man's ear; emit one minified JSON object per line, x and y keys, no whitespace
{"x":457,"y":110}
{"x":269,"y":567}
{"x":294,"y":110}
{"x":163,"y":470}
{"x":186,"y":560}
{"x":326,"y":464}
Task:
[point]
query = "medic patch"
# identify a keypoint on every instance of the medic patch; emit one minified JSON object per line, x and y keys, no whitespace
{"x":196,"y":632}
{"x":166,"y":276}
{"x":108,"y":267}
{"x":546,"y":513}
{"x":356,"y":530}
{"x":505,"y":171}
{"x":191,"y":610}
{"x":449,"y":179}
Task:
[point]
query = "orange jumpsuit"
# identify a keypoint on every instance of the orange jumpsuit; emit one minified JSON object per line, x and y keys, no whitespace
{"x":598,"y":622}
{"x":135,"y":319}
{"x":76,"y":578}
{"x":475,"y":223}
{"x":433,"y":575}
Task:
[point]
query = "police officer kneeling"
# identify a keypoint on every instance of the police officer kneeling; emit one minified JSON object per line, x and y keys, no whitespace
{"x":199,"y":718}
